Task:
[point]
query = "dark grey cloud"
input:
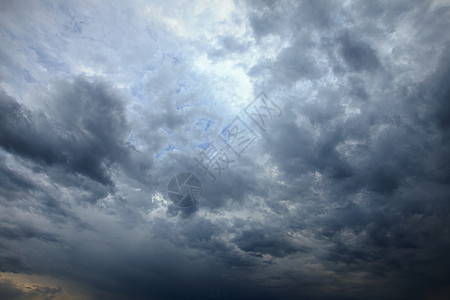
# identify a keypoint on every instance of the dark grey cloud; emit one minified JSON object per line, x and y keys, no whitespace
{"x":259,"y":242}
{"x":286,"y":17}
{"x":12,"y":232}
{"x":13,"y":182}
{"x":344,"y":196}
{"x":374,"y":166}
{"x":8,"y":291}
{"x":358,"y":55}
{"x":292,"y":65}
{"x":79,"y":136}
{"x":84,"y":131}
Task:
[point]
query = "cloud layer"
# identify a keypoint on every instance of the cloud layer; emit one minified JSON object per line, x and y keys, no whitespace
{"x":345,"y":195}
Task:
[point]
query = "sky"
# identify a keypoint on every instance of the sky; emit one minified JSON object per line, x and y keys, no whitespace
{"x":319,"y":131}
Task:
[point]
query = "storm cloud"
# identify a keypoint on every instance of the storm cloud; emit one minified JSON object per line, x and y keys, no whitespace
{"x":343,"y":194}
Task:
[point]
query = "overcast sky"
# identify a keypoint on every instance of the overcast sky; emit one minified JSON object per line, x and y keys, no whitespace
{"x":343,"y":192}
